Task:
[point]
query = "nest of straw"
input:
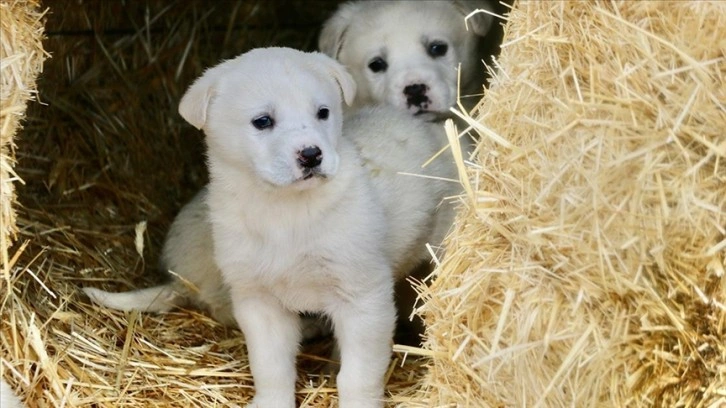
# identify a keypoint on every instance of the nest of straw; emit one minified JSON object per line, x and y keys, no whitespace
{"x":587,"y":268}
{"x":106,"y":163}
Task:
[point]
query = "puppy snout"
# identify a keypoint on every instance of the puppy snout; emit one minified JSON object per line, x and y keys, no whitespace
{"x":310,"y":157}
{"x":415,"y":90}
{"x":416,"y":94}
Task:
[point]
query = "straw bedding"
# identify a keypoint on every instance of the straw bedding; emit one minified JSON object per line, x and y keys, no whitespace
{"x":587,"y":269}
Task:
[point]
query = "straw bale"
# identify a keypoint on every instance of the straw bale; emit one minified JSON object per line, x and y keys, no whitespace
{"x":587,"y":267}
{"x":21,"y":61}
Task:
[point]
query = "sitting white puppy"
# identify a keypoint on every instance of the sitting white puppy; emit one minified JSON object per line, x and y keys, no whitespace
{"x":406,"y":53}
{"x":302,"y":214}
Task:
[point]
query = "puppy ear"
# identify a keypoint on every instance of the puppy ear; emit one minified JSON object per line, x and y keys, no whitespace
{"x":342,"y":76}
{"x":334,"y":28}
{"x":194,"y":103}
{"x":481,"y":21}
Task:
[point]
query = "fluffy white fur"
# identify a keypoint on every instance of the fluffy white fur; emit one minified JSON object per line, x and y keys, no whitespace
{"x":270,"y":237}
{"x":8,"y":399}
{"x":408,"y":37}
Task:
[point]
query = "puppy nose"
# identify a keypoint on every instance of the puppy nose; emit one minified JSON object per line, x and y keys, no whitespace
{"x":310,"y":157}
{"x":415,"y":90}
{"x":416,"y":95}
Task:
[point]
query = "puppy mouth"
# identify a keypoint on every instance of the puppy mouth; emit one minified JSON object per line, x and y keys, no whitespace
{"x":433,"y":116}
{"x":421,"y":102}
{"x":424,"y":109}
{"x":312,"y":173}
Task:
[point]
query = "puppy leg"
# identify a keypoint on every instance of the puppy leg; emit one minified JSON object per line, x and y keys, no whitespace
{"x":364,"y":331}
{"x":272,"y":334}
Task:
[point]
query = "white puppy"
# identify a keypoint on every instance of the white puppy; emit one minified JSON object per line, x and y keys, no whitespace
{"x":302,"y":214}
{"x":406,"y":53}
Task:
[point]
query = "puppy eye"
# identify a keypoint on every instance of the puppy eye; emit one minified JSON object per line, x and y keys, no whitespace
{"x":263,"y":122}
{"x":378,"y":64}
{"x":323,"y":113}
{"x":437,"y":49}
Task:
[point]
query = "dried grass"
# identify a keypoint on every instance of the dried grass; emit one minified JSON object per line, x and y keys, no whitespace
{"x":21,"y":60}
{"x":587,"y":269}
{"x":104,"y":152}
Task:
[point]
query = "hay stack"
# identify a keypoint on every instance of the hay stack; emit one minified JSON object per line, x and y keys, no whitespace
{"x":21,"y":61}
{"x":587,"y":268}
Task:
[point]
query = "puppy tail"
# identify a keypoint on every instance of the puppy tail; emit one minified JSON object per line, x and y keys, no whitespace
{"x":160,"y":298}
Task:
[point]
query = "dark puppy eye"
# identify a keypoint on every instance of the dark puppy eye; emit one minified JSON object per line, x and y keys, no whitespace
{"x":323,"y":113}
{"x":437,"y":49}
{"x":263,"y":122}
{"x":378,"y":64}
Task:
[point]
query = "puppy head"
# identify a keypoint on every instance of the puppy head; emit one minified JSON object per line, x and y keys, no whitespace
{"x":407,"y":53}
{"x":273,"y":113}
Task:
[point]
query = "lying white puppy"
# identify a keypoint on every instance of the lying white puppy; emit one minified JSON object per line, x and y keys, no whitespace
{"x":302,"y":214}
{"x":406,"y":53}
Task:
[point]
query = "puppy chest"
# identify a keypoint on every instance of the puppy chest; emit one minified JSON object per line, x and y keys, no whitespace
{"x":304,"y":284}
{"x":304,"y":295}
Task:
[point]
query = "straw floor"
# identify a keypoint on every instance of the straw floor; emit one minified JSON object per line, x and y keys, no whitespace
{"x":588,"y":267}
{"x":106,"y":162}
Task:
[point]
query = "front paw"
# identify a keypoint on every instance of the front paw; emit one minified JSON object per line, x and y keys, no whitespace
{"x":271,"y":401}
{"x":375,"y":402}
{"x":354,"y":393}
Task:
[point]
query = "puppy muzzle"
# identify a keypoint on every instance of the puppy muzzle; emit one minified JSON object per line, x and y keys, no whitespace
{"x":416,"y":96}
{"x":310,"y":159}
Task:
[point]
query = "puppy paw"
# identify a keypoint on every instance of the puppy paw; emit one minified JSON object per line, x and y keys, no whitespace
{"x":271,"y":402}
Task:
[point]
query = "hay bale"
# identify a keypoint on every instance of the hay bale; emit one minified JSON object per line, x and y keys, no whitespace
{"x":587,"y":267}
{"x":21,"y":61}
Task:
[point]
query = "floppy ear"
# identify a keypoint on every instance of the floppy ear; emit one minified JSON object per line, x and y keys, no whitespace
{"x":334,"y":28}
{"x":194,"y":103}
{"x":342,"y":77}
{"x":480,"y":22}
{"x":339,"y":73}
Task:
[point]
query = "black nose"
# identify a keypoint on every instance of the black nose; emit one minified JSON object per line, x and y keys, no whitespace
{"x":310,"y":157}
{"x":416,"y":94}
{"x":415,"y":90}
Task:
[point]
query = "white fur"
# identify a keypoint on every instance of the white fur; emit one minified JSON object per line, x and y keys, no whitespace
{"x":282,"y":243}
{"x":8,"y":399}
{"x":400,"y":33}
